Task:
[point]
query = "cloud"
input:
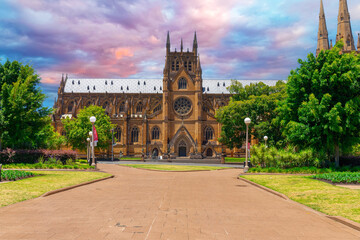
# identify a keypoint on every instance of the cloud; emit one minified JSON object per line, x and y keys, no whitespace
{"x":96,"y":38}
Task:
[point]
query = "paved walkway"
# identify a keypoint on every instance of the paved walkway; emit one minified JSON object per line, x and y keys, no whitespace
{"x":174,"y":163}
{"x":140,"y":204}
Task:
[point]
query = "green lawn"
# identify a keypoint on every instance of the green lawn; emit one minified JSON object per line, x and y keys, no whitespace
{"x":21,"y":190}
{"x":130,"y":159}
{"x":172,"y":167}
{"x":234,"y":160}
{"x":321,"y":196}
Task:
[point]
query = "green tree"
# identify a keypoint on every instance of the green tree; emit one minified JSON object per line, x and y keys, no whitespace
{"x":22,"y":116}
{"x":256,"y":101}
{"x":322,"y":108}
{"x":77,"y":129}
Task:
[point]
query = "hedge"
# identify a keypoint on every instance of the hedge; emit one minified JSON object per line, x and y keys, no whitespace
{"x":9,"y":156}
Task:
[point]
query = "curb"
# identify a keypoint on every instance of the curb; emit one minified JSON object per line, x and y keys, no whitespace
{"x":75,"y":186}
{"x":339,"y":219}
{"x":265,"y":188}
{"x":164,"y":171}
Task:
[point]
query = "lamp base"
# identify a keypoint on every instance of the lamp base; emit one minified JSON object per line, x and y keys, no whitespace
{"x":246,"y":169}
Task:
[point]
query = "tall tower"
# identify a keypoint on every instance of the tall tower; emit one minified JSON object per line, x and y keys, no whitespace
{"x":323,"y":36}
{"x":344,"y":30}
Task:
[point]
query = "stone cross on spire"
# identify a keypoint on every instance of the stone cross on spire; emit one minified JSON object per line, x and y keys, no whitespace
{"x":344,"y":30}
{"x":323,"y":36}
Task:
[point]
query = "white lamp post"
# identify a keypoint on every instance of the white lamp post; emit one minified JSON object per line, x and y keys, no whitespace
{"x":247,"y":122}
{"x":93,"y":120}
{"x":87,"y":149}
{"x":266,"y":138}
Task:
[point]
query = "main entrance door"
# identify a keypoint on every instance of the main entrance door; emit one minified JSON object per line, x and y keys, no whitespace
{"x":182,"y":149}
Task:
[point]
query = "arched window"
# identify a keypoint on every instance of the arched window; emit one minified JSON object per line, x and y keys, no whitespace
{"x":122,"y":107}
{"x":177,"y":65}
{"x":118,"y":134}
{"x":157,"y":108}
{"x":155,"y":133}
{"x":189,"y":67}
{"x":182,"y":83}
{"x":70,"y":106}
{"x":173,"y":66}
{"x":105,"y":105}
{"x":209,"y":133}
{"x":134,"y":135}
{"x":139,"y":107}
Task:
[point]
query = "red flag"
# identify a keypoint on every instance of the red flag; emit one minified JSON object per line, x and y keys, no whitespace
{"x":95,"y":135}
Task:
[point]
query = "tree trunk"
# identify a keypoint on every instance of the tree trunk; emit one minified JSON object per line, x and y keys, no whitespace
{"x":337,"y":155}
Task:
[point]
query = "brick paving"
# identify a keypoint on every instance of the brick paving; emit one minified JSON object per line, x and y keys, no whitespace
{"x":140,"y":204}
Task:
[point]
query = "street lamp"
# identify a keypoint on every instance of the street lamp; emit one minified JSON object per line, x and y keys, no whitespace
{"x":247,"y":122}
{"x":266,"y":138}
{"x":87,"y":149}
{"x":93,"y":120}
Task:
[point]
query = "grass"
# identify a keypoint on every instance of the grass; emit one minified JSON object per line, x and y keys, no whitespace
{"x":234,"y":160}
{"x":45,"y":181}
{"x":340,"y":177}
{"x":130,"y":159}
{"x":173,"y":167}
{"x":321,"y":196}
{"x":303,"y":170}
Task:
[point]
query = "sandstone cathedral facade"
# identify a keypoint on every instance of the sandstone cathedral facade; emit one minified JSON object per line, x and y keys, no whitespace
{"x":173,"y":115}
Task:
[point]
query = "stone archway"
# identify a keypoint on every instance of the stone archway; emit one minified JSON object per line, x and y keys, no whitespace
{"x":155,"y":152}
{"x":182,"y":149}
{"x":209,"y":152}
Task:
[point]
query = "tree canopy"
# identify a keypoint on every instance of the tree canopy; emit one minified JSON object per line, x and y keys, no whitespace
{"x":24,"y":122}
{"x":77,"y":129}
{"x":322,"y":107}
{"x":256,"y":101}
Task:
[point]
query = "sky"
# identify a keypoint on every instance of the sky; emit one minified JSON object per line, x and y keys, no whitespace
{"x":238,"y":39}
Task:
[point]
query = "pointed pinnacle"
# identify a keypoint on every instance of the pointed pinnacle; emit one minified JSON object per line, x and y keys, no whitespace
{"x":168,"y":39}
{"x":195,"y":39}
{"x":322,"y":12}
{"x":182,"y":46}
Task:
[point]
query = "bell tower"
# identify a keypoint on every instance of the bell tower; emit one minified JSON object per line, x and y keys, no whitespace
{"x":344,"y":30}
{"x":182,"y":97}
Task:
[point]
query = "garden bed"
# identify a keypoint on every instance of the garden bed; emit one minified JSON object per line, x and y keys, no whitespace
{"x":340,"y":177}
{"x":77,"y":166}
{"x":302,"y":170}
{"x":13,"y":175}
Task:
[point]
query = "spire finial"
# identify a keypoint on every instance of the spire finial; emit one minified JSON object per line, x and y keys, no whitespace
{"x":168,"y":40}
{"x":182,"y":46}
{"x":323,"y":36}
{"x":195,"y":45}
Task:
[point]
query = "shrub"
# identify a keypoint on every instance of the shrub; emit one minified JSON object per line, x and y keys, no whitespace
{"x":286,"y":158}
{"x":33,"y":156}
{"x":12,"y":175}
{"x":340,"y":177}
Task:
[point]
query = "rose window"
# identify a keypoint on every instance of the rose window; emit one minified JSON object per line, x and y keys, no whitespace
{"x":182,"y":106}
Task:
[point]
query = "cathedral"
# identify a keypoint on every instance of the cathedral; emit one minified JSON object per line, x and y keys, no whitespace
{"x":344,"y":31}
{"x":172,"y":116}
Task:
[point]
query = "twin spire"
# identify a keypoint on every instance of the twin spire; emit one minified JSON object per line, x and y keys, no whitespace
{"x":168,"y":45}
{"x":344,"y":31}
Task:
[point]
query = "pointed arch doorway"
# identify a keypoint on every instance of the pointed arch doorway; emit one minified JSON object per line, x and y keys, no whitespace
{"x":182,"y":149}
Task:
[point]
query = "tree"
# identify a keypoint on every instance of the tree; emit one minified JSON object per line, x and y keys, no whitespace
{"x":22,"y":116}
{"x":77,"y":129}
{"x":256,"y":101}
{"x":322,"y":108}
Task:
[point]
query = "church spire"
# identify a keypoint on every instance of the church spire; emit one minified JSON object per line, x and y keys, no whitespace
{"x":344,"y":30}
{"x":323,"y":36}
{"x":168,"y":42}
{"x":195,"y":45}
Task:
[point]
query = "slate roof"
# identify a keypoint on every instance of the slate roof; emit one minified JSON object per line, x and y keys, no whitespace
{"x":210,"y":86}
